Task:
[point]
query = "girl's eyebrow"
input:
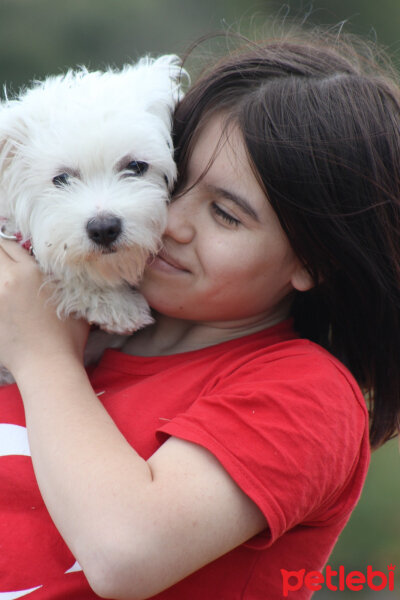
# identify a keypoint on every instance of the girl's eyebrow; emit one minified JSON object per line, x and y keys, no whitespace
{"x":238,"y":200}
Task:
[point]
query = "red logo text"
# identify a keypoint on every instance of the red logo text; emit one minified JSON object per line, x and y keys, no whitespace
{"x":339,"y":580}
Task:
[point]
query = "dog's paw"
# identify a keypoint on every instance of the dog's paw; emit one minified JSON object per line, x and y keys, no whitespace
{"x":123,"y":311}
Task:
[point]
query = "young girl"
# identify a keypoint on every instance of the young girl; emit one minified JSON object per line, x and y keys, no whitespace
{"x":219,"y":455}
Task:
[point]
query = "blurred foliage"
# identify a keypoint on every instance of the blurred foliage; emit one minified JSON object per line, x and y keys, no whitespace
{"x":372,"y":536}
{"x":38,"y":37}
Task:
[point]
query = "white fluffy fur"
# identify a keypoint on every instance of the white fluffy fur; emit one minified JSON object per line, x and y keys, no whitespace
{"x":91,"y":125}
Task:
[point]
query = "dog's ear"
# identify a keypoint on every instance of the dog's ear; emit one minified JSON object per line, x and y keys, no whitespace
{"x":169,"y":68}
{"x":159,"y":84}
{"x":13,"y":135}
{"x":163,"y":83}
{"x":13,"y":132}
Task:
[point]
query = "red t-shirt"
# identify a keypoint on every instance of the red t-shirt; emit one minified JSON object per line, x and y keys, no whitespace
{"x":285,"y":419}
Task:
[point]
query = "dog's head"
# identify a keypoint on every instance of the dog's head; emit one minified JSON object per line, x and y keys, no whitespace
{"x":86,"y":166}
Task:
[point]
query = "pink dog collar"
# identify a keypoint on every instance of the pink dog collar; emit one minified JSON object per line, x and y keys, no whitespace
{"x":18,"y":238}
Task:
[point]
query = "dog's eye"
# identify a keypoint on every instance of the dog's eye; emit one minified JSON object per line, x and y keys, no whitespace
{"x":137,"y":167}
{"x":61,"y":180}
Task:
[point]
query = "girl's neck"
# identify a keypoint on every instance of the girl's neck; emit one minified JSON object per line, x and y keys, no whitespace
{"x":169,"y":335}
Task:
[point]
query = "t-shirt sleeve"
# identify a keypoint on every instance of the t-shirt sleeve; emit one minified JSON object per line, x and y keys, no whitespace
{"x":292,"y":433}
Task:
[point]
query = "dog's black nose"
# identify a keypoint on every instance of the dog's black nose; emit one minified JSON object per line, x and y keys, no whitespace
{"x":104,"y":229}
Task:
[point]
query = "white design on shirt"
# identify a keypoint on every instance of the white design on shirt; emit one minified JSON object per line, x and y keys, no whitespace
{"x":75,"y":567}
{"x":13,"y":441}
{"x":19,"y":594}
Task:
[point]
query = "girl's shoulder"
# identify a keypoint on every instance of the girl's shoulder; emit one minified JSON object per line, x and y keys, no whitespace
{"x":282,"y":359}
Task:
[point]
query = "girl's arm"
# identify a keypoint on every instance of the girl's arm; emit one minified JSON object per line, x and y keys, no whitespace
{"x":135,"y":526}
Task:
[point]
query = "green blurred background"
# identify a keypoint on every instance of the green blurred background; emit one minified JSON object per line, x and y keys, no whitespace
{"x":38,"y":37}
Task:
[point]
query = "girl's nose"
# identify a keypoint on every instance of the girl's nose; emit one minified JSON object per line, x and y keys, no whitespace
{"x":180,"y":223}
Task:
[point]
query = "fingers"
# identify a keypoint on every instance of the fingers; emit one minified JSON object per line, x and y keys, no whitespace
{"x":4,"y":253}
{"x":14,"y":251}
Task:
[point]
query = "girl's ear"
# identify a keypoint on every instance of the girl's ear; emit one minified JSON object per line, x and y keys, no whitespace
{"x":301,"y":279}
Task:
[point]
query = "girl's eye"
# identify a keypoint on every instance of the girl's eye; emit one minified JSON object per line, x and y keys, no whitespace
{"x":137,"y":167}
{"x":225,"y":216}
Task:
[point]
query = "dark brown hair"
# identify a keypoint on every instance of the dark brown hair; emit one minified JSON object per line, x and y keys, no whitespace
{"x":321,"y":125}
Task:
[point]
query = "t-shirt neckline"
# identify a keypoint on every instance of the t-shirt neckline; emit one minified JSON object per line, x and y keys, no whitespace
{"x":126,"y":363}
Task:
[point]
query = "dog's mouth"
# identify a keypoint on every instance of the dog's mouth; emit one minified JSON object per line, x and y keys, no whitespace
{"x":97,"y":252}
{"x":109,"y":250}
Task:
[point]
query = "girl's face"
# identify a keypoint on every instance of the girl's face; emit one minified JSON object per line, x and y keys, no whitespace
{"x":226,"y":258}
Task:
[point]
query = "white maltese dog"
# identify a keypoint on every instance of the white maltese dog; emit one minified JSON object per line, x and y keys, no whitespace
{"x":86,"y":166}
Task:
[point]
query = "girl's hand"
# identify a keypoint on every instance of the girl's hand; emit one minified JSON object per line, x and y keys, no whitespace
{"x":29,"y":326}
